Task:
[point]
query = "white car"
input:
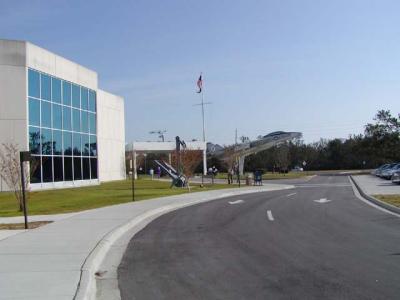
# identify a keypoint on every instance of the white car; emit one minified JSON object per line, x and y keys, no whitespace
{"x":396,"y":177}
{"x":297,"y":169}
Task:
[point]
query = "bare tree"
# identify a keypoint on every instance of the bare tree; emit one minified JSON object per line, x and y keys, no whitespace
{"x":230,"y":162}
{"x":282,"y":157}
{"x":10,"y":170}
{"x":190,"y":159}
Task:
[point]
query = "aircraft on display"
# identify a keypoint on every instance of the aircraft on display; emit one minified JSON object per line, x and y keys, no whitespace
{"x":240,"y":151}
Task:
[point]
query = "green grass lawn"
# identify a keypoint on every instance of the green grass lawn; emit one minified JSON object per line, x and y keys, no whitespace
{"x":391,"y":199}
{"x":77,"y":199}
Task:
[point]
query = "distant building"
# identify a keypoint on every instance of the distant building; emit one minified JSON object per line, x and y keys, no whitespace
{"x":53,"y":107}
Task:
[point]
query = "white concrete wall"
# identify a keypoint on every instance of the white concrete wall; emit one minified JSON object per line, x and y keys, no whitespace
{"x":42,"y":60}
{"x":13,"y":95}
{"x":110,"y":136}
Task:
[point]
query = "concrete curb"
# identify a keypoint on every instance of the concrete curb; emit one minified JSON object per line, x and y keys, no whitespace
{"x":86,"y":289}
{"x":375,"y":201}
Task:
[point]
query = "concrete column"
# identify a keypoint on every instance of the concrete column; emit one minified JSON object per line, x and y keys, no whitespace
{"x":170,"y":159}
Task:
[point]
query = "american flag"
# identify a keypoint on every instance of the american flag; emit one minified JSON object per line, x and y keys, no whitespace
{"x":200,"y":84}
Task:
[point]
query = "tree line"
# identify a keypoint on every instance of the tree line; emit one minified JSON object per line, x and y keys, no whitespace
{"x":379,"y":144}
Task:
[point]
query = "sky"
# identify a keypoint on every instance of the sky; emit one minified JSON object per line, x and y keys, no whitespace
{"x":323,"y":68}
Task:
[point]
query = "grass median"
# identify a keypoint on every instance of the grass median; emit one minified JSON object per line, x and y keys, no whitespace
{"x":83,"y":198}
{"x":390,"y":199}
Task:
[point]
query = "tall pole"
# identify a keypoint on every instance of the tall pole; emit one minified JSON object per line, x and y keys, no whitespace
{"x":201,"y":91}
{"x":133,"y":168}
{"x":204,"y":136}
{"x":202,"y":114}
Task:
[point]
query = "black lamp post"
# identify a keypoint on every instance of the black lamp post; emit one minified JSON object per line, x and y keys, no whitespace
{"x":23,"y":157}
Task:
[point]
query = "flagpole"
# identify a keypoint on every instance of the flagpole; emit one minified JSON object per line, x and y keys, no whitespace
{"x":202,"y":113}
{"x":204,"y":134}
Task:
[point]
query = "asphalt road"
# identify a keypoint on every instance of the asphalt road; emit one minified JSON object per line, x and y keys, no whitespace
{"x":276,"y":245}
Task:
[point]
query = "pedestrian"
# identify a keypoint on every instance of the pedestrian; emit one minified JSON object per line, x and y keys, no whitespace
{"x":158,"y":172}
{"x":230,"y":176}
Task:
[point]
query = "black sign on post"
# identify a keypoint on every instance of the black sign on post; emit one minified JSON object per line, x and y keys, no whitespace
{"x":23,"y":157}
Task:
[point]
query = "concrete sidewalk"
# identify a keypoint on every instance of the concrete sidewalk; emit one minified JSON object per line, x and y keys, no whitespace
{"x":20,"y":219}
{"x":58,"y":261}
{"x":372,"y":185}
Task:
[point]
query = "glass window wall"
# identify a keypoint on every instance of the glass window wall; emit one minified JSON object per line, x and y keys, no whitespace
{"x":62,"y":129}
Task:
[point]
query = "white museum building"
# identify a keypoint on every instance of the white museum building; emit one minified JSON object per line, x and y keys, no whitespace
{"x":54,"y":108}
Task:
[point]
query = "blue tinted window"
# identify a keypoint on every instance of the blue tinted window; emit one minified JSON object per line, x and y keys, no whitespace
{"x":92,"y":100}
{"x":93,"y":145}
{"x":36,"y":169}
{"x":77,"y":168}
{"x":85,"y":144}
{"x":47,"y":141}
{"x":56,"y":90}
{"x":57,"y":116}
{"x":34,"y":140}
{"x":85,"y":122}
{"x":34,"y":112}
{"x":76,"y":120}
{"x":93,"y":168}
{"x":76,"y":96}
{"x":68,"y":169}
{"x":85,"y":168}
{"x":92,"y":123}
{"x":84,"y":98}
{"x":57,"y":142}
{"x":67,"y":137}
{"x":58,"y":168}
{"x":77,"y":144}
{"x":47,"y":168}
{"x":67,"y":118}
{"x":33,"y":84}
{"x":66,"y":93}
{"x":46,"y":114}
{"x":45,"y":87}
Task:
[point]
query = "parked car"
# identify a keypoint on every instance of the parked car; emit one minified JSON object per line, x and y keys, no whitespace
{"x":377,"y":170}
{"x":297,"y":169}
{"x":388,"y":172}
{"x":396,"y":177}
{"x":383,"y":168}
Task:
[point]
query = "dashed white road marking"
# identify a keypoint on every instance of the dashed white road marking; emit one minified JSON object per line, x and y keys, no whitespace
{"x":270,"y":216}
{"x":236,"y":202}
{"x":290,"y":195}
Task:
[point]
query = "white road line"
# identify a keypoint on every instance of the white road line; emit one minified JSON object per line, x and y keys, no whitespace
{"x":236,"y":202}
{"x":290,"y":195}
{"x":270,"y":217}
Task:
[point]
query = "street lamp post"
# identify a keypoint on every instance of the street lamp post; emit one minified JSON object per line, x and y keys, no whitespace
{"x":24,"y":156}
{"x":133,"y":179}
